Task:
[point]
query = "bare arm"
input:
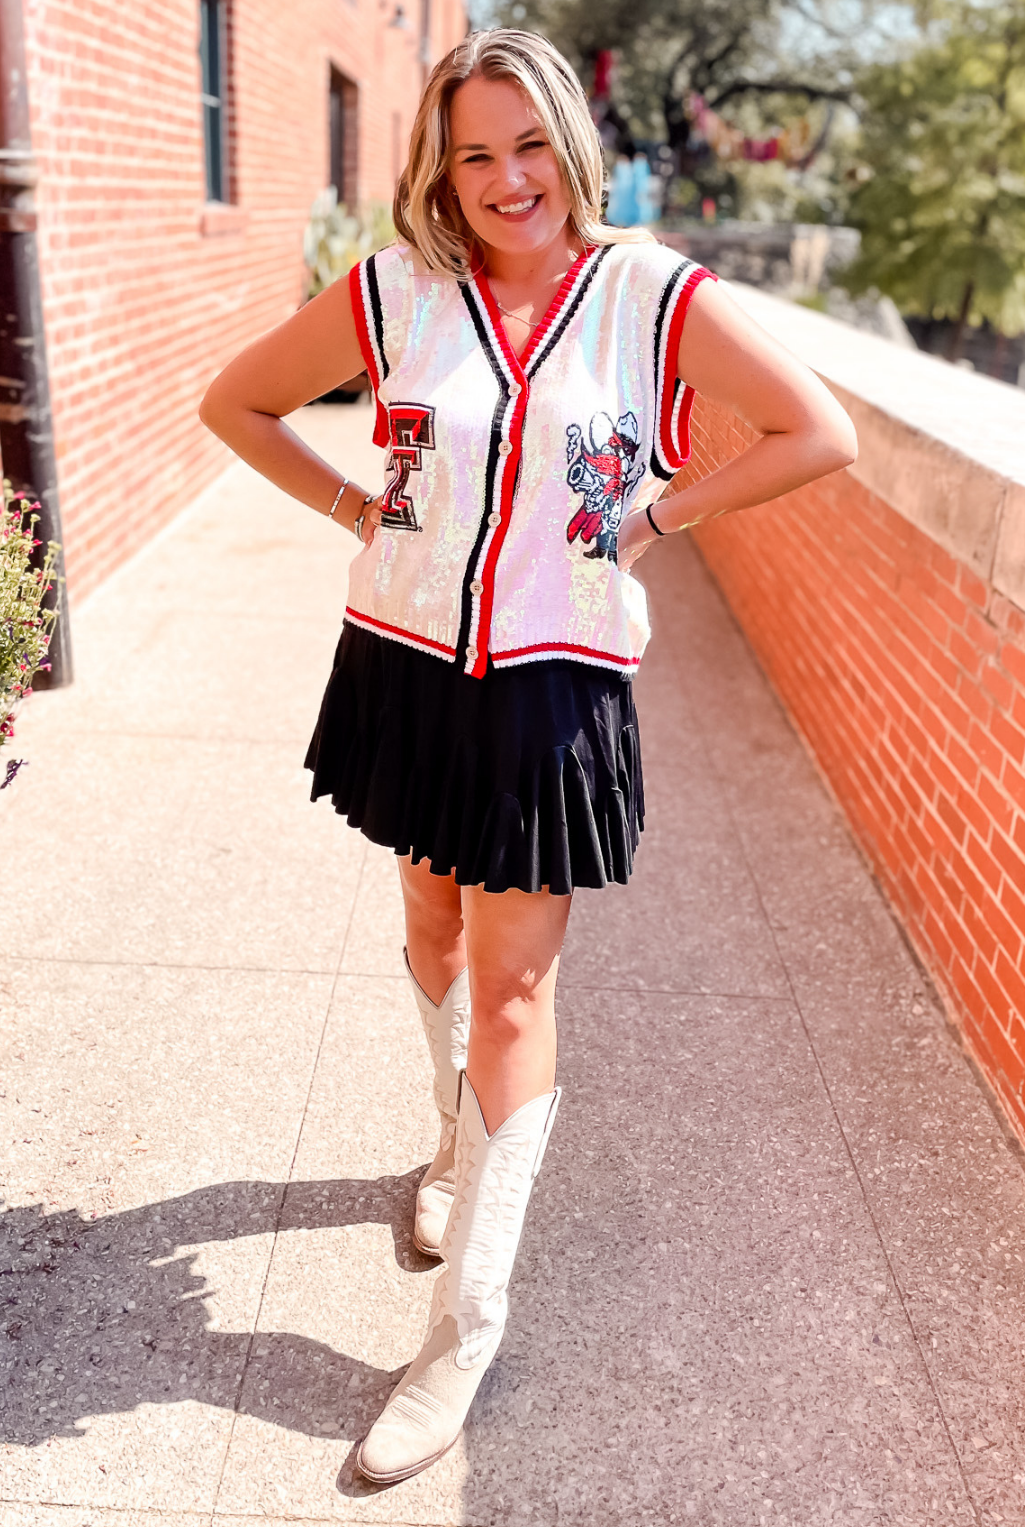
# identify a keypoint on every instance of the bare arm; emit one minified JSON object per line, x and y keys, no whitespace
{"x":730,"y":359}
{"x":310,"y":353}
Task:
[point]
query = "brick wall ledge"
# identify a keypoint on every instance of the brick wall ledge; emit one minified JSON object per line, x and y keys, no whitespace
{"x":943,"y":446}
{"x":886,"y":603}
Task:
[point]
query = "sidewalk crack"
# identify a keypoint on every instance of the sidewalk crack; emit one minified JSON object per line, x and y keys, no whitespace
{"x":279,"y":1215}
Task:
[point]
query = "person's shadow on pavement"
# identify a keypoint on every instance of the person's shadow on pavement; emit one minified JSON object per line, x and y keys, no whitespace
{"x":101,"y":1316}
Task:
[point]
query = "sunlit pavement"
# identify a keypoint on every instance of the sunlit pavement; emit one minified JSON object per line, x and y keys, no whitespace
{"x":772,"y":1271}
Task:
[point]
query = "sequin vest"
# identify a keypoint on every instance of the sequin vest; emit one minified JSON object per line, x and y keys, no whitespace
{"x":508,"y":478}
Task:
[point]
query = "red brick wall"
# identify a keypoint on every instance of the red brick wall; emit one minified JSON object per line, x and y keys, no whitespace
{"x":141,"y":305}
{"x":905,"y":674}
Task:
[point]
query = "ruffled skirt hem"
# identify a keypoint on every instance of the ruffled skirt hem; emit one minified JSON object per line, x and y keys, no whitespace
{"x":527,"y":779}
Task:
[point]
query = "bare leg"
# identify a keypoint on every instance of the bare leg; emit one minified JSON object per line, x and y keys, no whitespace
{"x":513,"y":942}
{"x":435,"y":942}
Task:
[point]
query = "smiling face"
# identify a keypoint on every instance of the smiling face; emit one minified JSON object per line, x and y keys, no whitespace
{"x":504,"y":170}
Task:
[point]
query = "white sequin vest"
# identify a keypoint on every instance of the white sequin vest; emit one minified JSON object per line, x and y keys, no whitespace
{"x":508,"y":479}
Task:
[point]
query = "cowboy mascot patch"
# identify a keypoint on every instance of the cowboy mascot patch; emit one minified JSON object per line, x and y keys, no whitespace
{"x":604,"y":470}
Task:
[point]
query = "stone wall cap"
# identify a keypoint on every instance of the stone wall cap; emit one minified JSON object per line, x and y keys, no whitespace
{"x":975,"y":415}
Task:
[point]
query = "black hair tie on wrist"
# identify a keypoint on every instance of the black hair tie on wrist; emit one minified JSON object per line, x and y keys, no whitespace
{"x":651,"y":521}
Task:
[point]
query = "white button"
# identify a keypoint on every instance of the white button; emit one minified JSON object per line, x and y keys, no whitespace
{"x":471,"y":653}
{"x":476,"y":587}
{"x":515,"y":389}
{"x":494,"y":519}
{"x":505,"y":446}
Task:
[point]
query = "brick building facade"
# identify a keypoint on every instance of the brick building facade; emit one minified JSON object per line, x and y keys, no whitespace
{"x":163,"y":252}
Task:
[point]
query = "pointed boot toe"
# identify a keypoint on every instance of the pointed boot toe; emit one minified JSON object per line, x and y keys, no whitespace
{"x":425,"y":1413}
{"x":395,"y":1449}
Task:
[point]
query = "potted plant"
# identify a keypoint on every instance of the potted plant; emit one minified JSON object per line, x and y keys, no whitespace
{"x":25,"y":626}
{"x":335,"y":240}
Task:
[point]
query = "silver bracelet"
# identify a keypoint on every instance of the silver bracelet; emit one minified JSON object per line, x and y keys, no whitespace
{"x":368,"y":498}
{"x":338,"y":498}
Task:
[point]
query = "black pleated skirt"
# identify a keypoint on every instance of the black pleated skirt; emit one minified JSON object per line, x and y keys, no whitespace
{"x":529,"y":778}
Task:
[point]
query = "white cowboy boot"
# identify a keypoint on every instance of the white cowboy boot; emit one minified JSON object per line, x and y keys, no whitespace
{"x":447,"y":1026}
{"x":494,"y":1176}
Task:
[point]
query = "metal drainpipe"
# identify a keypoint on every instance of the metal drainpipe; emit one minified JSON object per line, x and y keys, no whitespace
{"x":26,"y":424}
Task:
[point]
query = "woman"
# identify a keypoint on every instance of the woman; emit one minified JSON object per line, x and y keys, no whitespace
{"x":534,"y":373}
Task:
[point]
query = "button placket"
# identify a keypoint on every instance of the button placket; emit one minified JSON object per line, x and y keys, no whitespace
{"x":505,"y":449}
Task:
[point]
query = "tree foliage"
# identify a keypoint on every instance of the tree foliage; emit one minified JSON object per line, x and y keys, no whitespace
{"x":726,"y":50}
{"x":762,"y":63}
{"x":942,"y":210}
{"x":938,"y":85}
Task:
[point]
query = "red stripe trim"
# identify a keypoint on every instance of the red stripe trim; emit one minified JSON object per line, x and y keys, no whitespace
{"x":514,"y":434}
{"x":493,"y":312}
{"x":487,"y":575}
{"x":566,"y":286}
{"x":674,"y":443}
{"x":382,"y":432}
{"x":680,"y":430}
{"x":514,"y":430}
{"x":518,"y":365}
{"x":606,"y":657}
{"x":410,"y":636}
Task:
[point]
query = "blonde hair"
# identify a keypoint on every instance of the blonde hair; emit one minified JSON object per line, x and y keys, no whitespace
{"x":426,"y":212}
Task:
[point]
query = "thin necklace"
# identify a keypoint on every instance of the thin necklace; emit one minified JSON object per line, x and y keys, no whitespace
{"x":503,"y":309}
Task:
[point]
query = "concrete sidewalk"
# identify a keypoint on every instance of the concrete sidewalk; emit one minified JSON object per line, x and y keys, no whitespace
{"x":772,"y":1272}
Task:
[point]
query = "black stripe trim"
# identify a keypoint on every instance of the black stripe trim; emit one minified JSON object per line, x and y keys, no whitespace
{"x":498,"y":366}
{"x":494,"y":355}
{"x":670,"y":290}
{"x":558,"y":328}
{"x":377,"y":313}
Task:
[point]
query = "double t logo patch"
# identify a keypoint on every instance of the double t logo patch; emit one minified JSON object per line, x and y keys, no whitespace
{"x":411,"y":428}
